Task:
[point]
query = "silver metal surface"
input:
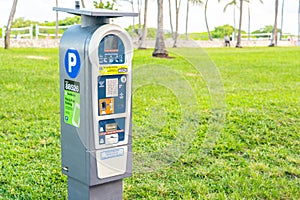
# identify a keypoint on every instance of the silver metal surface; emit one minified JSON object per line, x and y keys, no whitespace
{"x":78,"y":151}
{"x":94,"y":12}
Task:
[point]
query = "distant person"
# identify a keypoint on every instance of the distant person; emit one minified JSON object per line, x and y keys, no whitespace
{"x":17,"y":36}
{"x":292,"y":41}
{"x":226,"y":40}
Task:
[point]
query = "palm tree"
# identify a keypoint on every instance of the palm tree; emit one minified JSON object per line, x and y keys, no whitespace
{"x":82,"y":4}
{"x":160,"y":46}
{"x":144,"y":36}
{"x":239,"y":37}
{"x":187,"y":19}
{"x":249,"y":21}
{"x":234,"y":24}
{"x":298,"y":40}
{"x":139,"y":2}
{"x":282,"y":9}
{"x":200,"y":2}
{"x":56,"y":21}
{"x":170,"y":18}
{"x":234,"y":3}
{"x":274,"y":34}
{"x":9,"y":24}
{"x":249,"y":31}
{"x":206,"y":23}
{"x":177,"y":4}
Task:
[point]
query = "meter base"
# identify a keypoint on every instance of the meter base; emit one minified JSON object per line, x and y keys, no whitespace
{"x":106,"y":191}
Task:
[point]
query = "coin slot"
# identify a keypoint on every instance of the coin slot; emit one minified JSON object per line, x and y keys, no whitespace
{"x":111,"y":127}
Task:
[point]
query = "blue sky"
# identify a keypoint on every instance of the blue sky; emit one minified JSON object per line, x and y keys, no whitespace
{"x":261,"y":14}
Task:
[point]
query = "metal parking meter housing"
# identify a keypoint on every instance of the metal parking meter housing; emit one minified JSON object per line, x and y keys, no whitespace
{"x":95,"y":96}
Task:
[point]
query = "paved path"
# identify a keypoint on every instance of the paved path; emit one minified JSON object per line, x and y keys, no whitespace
{"x":53,"y":43}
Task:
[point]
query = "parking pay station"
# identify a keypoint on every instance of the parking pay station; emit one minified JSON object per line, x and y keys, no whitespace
{"x":95,"y":96}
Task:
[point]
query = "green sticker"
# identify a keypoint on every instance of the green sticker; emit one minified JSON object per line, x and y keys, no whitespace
{"x":72,"y":103}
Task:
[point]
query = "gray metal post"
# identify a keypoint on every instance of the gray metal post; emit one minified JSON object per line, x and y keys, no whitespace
{"x":108,"y":191}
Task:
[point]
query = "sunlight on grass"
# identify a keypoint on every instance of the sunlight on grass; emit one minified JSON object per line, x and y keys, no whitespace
{"x":255,"y":155}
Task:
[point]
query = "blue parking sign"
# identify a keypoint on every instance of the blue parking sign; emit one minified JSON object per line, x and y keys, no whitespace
{"x":72,"y":62}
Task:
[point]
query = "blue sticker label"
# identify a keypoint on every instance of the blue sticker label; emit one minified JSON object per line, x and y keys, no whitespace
{"x":72,"y":63}
{"x":112,"y":153}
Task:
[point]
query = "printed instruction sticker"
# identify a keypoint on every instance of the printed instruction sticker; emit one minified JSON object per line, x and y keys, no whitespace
{"x":111,"y":153}
{"x":113,"y":70}
{"x":112,"y":87}
{"x":72,"y":103}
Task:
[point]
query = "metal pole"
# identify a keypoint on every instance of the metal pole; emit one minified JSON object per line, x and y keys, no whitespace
{"x":56,"y":23}
{"x":299,"y":24}
{"x":133,"y":28}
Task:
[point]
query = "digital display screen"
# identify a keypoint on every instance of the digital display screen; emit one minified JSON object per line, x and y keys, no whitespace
{"x":111,"y":44}
{"x":111,"y":50}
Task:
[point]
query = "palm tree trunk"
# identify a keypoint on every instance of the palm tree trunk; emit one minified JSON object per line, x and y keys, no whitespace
{"x":281,"y":28}
{"x":56,"y":21}
{"x":140,"y":20}
{"x":9,"y":24}
{"x":274,"y":38}
{"x":249,"y":21}
{"x":170,"y":17}
{"x":177,"y":21}
{"x":187,"y":19}
{"x":160,"y":47}
{"x":206,"y":23}
{"x":239,"y":38}
{"x":298,"y":40}
{"x":234,"y":24}
{"x":133,"y":27}
{"x":144,"y":36}
{"x":82,"y":4}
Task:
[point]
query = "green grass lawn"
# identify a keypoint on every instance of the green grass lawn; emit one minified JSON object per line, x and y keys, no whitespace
{"x":214,"y":124}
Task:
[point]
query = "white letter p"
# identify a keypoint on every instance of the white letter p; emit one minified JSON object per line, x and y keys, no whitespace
{"x":71,"y":61}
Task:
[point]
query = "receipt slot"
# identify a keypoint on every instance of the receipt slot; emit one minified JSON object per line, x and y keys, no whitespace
{"x":95,"y":96}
